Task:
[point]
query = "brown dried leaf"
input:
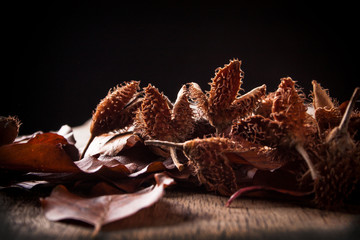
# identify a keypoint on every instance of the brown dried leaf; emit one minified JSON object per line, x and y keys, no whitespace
{"x":47,"y":152}
{"x":98,"y":211}
{"x":113,"y":143}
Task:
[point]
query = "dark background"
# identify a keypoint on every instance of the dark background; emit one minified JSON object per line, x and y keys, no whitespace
{"x":62,"y":58}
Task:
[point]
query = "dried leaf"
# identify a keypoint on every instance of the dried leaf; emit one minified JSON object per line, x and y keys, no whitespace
{"x":47,"y":152}
{"x":98,"y":211}
{"x":91,"y":164}
{"x":113,"y":143}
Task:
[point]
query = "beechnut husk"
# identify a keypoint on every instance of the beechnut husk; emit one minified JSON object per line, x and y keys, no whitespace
{"x":227,"y":137}
{"x":235,"y":144}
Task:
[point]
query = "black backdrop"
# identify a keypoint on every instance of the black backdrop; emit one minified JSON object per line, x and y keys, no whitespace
{"x":62,"y":58}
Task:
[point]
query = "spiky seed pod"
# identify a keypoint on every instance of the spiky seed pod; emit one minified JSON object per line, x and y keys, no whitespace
{"x":109,"y":114}
{"x":155,"y":120}
{"x":115,"y":111}
{"x":328,"y":115}
{"x":212,"y":168}
{"x":225,"y":86}
{"x":266,"y":103}
{"x":182,"y":116}
{"x":9,"y":129}
{"x":224,"y":89}
{"x":223,"y":104}
{"x":327,"y":118}
{"x":200,"y":99}
{"x":208,"y":160}
{"x":289,"y":109}
{"x":339,"y":165}
{"x":245,"y":104}
{"x":153,"y":117}
{"x":221,"y":164}
{"x":260,"y":130}
{"x":339,"y":174}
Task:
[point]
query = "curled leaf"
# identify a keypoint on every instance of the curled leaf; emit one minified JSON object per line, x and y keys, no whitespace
{"x":98,"y":211}
{"x":111,"y":144}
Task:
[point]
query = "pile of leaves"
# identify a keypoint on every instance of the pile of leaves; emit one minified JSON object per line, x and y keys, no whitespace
{"x":225,"y":142}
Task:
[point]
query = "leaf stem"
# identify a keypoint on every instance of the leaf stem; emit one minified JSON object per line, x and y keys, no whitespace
{"x":346,"y":118}
{"x":87,"y":146}
{"x":299,"y":147}
{"x":160,"y":143}
{"x":175,"y":159}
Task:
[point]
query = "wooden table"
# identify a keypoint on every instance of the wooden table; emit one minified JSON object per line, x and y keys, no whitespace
{"x":183,"y":214}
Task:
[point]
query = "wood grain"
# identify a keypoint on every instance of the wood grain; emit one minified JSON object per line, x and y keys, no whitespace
{"x":183,"y":215}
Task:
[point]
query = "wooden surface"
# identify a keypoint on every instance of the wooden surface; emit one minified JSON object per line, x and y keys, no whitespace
{"x":183,"y":215}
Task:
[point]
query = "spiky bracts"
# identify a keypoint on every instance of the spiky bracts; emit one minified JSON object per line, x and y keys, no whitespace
{"x":223,"y":103}
{"x":159,"y":119}
{"x":111,"y":113}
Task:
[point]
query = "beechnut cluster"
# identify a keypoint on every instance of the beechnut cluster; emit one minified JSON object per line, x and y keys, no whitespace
{"x":234,"y":143}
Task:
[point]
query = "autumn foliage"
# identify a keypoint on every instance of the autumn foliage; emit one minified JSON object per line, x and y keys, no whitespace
{"x":220,"y":140}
